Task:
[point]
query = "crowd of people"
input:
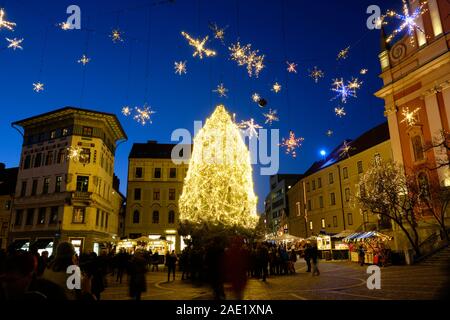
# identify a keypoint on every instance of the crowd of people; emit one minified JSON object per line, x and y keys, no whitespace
{"x":30,"y":275}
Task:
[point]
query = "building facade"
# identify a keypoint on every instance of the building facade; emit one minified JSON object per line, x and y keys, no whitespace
{"x":321,"y":202}
{"x":155,"y":183}
{"x":276,"y":204}
{"x":8,"y":180}
{"x":416,"y":92}
{"x":66,"y":190}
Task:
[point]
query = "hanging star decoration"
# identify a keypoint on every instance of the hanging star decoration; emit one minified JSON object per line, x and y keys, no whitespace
{"x":38,"y":87}
{"x":410,"y":117}
{"x":199,"y":46}
{"x":126,"y":111}
{"x":245,"y":56}
{"x":343,"y":54}
{"x":250,"y":127}
{"x":219,"y":33}
{"x":84,"y":60}
{"x":256,"y":97}
{"x":181,"y":67}
{"x":276,"y":87}
{"x":345,"y":150}
{"x":291,"y":144}
{"x":363,"y":71}
{"x":344,"y":91}
{"x":329,"y":133}
{"x":408,"y":21}
{"x":143,"y":116}
{"x":15,"y":43}
{"x":316,"y":74}
{"x":221,"y":90}
{"x":116,"y":36}
{"x":271,"y":116}
{"x":4,"y":23}
{"x":340,"y":112}
{"x":292,"y":67}
{"x":75,"y":154}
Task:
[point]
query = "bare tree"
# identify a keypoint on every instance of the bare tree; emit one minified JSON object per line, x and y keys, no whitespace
{"x":441,"y":143}
{"x":383,"y":190}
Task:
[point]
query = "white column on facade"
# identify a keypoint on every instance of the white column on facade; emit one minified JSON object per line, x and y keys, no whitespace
{"x":421,"y":37}
{"x":395,"y":137}
{"x":435,"y":17}
{"x":435,"y":124}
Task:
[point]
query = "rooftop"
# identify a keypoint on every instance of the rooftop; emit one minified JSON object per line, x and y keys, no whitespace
{"x":152,"y":150}
{"x":8,"y":180}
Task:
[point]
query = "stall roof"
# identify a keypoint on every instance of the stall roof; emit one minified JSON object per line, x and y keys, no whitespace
{"x":343,"y":234}
{"x":359,"y":236}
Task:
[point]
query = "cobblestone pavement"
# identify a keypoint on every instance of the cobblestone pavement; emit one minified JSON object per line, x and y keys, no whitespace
{"x":338,"y":281}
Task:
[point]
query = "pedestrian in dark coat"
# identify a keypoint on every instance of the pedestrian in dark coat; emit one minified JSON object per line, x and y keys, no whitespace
{"x":138,"y":269}
{"x":307,"y":257}
{"x":171,"y":263}
{"x":315,"y":260}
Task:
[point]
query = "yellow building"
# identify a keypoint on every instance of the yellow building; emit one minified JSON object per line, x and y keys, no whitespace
{"x":66,"y":190}
{"x":155,"y":184}
{"x":8,"y":179}
{"x":321,"y":201}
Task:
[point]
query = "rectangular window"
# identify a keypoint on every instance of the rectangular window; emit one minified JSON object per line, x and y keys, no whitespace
{"x":321,"y":202}
{"x":332,"y":198}
{"x":85,"y":156}
{"x":78,"y":215}
{"x":345,"y":172}
{"x":97,"y":217}
{"x":41,"y":216}
{"x":335,"y":222}
{"x":347,"y":194}
{"x":323,"y":224}
{"x":173,"y":173}
{"x":309,"y":205}
{"x":19,"y":218}
{"x":350,"y":219}
{"x":360,"y":167}
{"x":49,"y":158}
{"x":61,"y":156}
{"x":87,"y":131}
{"x":171,"y":217}
{"x":38,"y":160}
{"x":137,"y":194}
{"x":30,"y":217}
{"x":310,"y":225}
{"x":299,"y":213}
{"x":34,"y":187}
{"x":58,"y":184}
{"x":82,"y":183}
{"x":65,"y":132}
{"x":23,"y":190}
{"x":330,"y":178}
{"x":27,"y":162}
{"x":307,"y":187}
{"x":157,"y":173}
{"x":53,"y":134}
{"x":102,"y":219}
{"x":155,"y":217}
{"x":314,"y":185}
{"x":139,"y":173}
{"x":8,"y":205}
{"x":106,"y":220}
{"x":54,"y":215}
{"x":172,"y":194}
{"x":418,"y":148}
{"x":156,"y":195}
{"x":46,"y":186}
{"x":319,"y":183}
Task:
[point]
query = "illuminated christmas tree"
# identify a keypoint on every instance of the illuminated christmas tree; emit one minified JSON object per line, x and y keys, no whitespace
{"x":218,"y":189}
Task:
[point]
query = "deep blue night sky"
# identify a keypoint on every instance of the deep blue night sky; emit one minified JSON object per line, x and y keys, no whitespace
{"x":313,"y":33}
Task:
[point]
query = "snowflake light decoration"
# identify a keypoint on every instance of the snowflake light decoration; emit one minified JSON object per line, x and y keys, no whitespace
{"x":345,"y":150}
{"x":291,"y":144}
{"x":199,"y":46}
{"x":75,"y":154}
{"x":410,"y":117}
{"x":276,"y":87}
{"x":354,"y":84}
{"x":316,"y":74}
{"x":271,"y":116}
{"x":126,"y":111}
{"x":363,"y":71}
{"x":250,"y":127}
{"x":221,"y":90}
{"x":180,"y":67}
{"x":219,"y":33}
{"x":65,"y":26}
{"x":4,"y":23}
{"x":408,"y":21}
{"x":38,"y":87}
{"x":340,"y":112}
{"x":256,"y":97}
{"x":343,"y":54}
{"x":143,"y":115}
{"x":345,"y":91}
{"x":84,"y":60}
{"x":116,"y":36}
{"x":245,"y":56}
{"x":329,"y":133}
{"x":292,"y":67}
{"x":15,"y":43}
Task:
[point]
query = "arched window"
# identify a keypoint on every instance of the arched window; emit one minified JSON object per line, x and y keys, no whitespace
{"x":424,"y":186}
{"x":136,"y":217}
{"x":171,"y":217}
{"x":417,"y":148}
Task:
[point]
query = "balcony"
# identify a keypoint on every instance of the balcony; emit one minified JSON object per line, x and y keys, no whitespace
{"x":81,"y":196}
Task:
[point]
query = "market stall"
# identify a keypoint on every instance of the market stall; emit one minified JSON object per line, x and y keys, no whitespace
{"x":374,"y":244}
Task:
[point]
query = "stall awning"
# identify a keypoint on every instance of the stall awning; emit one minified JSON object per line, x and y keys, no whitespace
{"x":42,"y":243}
{"x":361,"y":236}
{"x":343,"y":234}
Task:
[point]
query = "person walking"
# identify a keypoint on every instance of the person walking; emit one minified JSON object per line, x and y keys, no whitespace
{"x":361,"y":255}
{"x":315,"y":261}
{"x":171,"y":262}
{"x":138,"y":269}
{"x":307,"y":257}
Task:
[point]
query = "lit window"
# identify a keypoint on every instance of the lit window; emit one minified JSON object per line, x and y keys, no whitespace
{"x":78,"y":215}
{"x":345,"y":172}
{"x":350,"y":219}
{"x":323,"y":224}
{"x":82,"y":184}
{"x":360,"y":167}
